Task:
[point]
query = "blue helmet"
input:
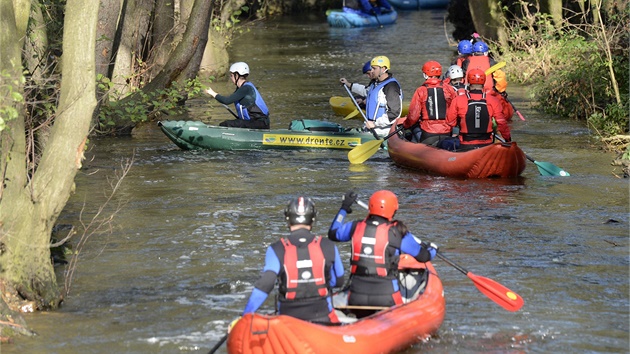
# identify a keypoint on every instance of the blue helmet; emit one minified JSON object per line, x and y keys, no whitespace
{"x":367,"y":67}
{"x":480,"y":47}
{"x":465,"y":47}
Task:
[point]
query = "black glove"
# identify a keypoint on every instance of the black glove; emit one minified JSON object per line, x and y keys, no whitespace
{"x":348,"y":199}
{"x":401,"y":131}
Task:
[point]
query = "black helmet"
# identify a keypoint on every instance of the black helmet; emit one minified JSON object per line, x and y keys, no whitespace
{"x":300,"y":210}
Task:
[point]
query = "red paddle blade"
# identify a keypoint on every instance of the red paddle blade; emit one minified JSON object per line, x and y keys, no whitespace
{"x":498,"y":293}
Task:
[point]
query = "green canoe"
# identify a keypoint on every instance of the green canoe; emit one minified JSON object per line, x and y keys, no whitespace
{"x":301,"y":134}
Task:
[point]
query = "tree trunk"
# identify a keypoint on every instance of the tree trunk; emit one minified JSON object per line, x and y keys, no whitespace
{"x":108,"y":14}
{"x":162,"y":36}
{"x":554,"y":9}
{"x":30,"y":207}
{"x":183,"y":63}
{"x":489,"y":20}
{"x":129,"y":65}
{"x":36,"y":45}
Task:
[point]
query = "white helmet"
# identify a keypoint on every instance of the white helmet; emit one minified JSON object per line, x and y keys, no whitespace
{"x":455,"y":72}
{"x":240,"y":68}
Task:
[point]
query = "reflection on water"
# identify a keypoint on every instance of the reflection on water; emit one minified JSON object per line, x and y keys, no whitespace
{"x":189,"y":242}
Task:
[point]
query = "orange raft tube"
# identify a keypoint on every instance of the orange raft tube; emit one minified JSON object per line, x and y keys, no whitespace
{"x":387,"y":331}
{"x":496,"y":160}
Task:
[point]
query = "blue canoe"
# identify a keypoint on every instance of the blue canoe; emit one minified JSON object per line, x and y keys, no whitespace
{"x":348,"y":18}
{"x":419,"y":4}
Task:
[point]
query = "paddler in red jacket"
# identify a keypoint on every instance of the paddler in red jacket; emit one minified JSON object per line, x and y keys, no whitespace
{"x":428,"y":105}
{"x":474,"y":114}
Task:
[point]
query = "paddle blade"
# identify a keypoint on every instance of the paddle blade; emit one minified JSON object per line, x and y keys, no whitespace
{"x":363,"y":152}
{"x":351,"y":115}
{"x":549,"y":169}
{"x":494,"y":67}
{"x":498,"y":293}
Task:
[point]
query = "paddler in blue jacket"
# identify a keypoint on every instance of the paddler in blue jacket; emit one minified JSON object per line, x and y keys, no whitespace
{"x":306,"y":266}
{"x":251,"y":109}
{"x":383,"y":96}
{"x":377,"y":243}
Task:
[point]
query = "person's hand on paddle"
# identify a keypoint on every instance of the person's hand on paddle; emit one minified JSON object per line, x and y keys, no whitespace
{"x":347,"y":201}
{"x":370,"y":124}
{"x":345,"y":81}
{"x":432,"y":248}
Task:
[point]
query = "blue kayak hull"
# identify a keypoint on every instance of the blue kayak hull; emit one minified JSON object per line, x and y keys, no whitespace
{"x":419,"y":4}
{"x":344,"y":19}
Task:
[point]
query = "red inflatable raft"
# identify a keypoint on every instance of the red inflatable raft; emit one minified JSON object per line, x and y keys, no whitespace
{"x":496,"y":160}
{"x":387,"y":331}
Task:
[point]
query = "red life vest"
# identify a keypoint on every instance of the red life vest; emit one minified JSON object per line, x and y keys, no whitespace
{"x":369,"y":244}
{"x":304,"y":269}
{"x":436,"y":102}
{"x":480,"y":62}
{"x":477,"y":124}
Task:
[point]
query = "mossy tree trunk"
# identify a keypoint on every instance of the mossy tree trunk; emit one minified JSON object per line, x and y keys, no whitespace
{"x":30,"y":203}
{"x":489,"y":20}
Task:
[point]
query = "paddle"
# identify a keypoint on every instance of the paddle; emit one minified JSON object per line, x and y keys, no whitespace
{"x":377,"y":19}
{"x":545,"y":168}
{"x":514,"y":108}
{"x":364,"y":151}
{"x":218,"y":345}
{"x":351,"y":115}
{"x":360,"y":111}
{"x":494,"y":67}
{"x":498,"y":293}
{"x":229,"y":110}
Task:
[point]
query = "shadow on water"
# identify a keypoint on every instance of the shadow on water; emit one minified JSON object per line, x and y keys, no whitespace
{"x":189,"y":242}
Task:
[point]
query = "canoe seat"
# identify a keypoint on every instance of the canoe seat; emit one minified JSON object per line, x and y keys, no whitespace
{"x":314,"y":125}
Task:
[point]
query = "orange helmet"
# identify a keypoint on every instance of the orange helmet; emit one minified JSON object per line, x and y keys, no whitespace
{"x":432,"y":68}
{"x":383,"y":203}
{"x":476,"y":77}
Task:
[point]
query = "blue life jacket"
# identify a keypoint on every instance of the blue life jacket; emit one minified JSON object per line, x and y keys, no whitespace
{"x":372,"y":108}
{"x":243,"y":113}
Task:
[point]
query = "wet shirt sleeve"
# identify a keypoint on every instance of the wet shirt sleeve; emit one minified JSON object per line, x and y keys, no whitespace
{"x":265,"y":283}
{"x":245,"y":94}
{"x":340,"y":231}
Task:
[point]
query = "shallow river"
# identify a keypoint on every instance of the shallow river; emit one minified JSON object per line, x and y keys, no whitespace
{"x":189,"y":240}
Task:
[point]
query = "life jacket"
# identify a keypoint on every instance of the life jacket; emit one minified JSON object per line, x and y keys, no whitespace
{"x":436,"y":102}
{"x":373,"y":108}
{"x":460,"y":88}
{"x":369,"y":245}
{"x":479,"y":62}
{"x":477,"y":124}
{"x":243,"y":113}
{"x":304,"y":271}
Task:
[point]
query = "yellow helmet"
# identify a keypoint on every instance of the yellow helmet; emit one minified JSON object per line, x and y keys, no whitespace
{"x":381,"y":61}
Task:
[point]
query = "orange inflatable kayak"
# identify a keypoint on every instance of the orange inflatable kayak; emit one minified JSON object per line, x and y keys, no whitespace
{"x":496,"y":160}
{"x":387,"y":331}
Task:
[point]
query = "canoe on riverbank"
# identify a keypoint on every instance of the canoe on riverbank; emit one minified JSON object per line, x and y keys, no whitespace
{"x":303,"y":134}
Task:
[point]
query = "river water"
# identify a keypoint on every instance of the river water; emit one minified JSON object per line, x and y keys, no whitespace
{"x":189,"y":240}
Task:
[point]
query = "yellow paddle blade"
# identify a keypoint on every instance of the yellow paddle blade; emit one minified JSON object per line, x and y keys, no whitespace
{"x":495,"y":67}
{"x":351,"y":115}
{"x":363,"y":152}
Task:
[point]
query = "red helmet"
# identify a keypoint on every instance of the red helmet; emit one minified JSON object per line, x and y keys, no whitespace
{"x":432,"y":68}
{"x":383,"y":203}
{"x":476,"y":77}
